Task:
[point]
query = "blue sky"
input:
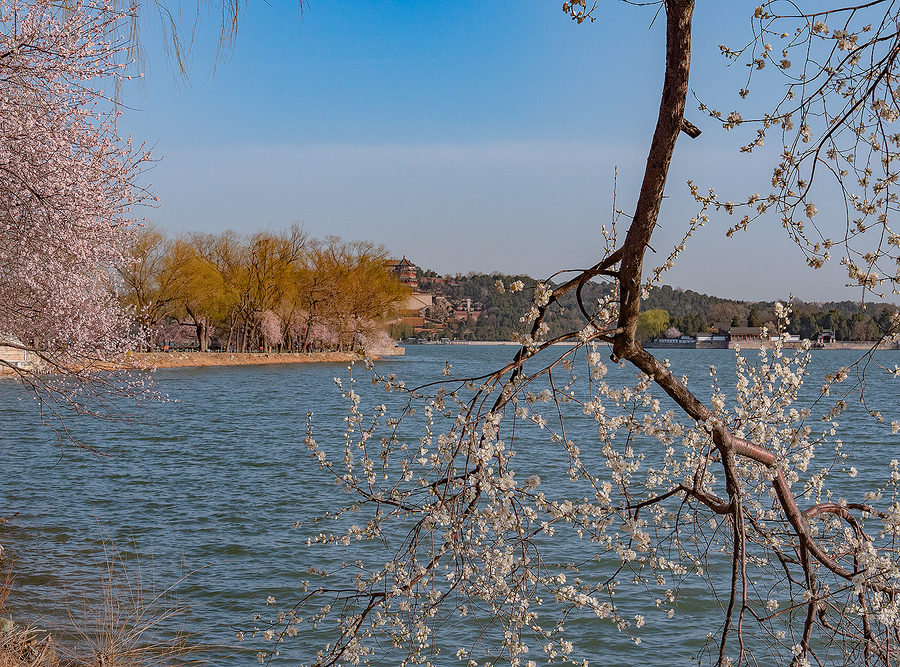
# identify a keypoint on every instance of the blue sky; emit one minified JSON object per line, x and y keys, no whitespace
{"x":468,"y":136}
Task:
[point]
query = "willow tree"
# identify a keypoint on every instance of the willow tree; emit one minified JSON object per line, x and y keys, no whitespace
{"x":153,"y":277}
{"x":366,"y":293}
{"x":272,"y":263}
{"x":660,"y":498}
{"x":204,"y":300}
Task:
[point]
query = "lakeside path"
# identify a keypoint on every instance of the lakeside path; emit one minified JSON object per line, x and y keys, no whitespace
{"x":146,"y":361}
{"x":189,"y":359}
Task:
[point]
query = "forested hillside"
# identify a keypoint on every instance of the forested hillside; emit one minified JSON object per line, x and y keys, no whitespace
{"x":502,"y":312}
{"x":666,"y":309}
{"x":690,"y":312}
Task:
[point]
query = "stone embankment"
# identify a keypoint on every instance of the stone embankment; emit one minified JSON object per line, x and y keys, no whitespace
{"x":151,"y":360}
{"x":189,"y":359}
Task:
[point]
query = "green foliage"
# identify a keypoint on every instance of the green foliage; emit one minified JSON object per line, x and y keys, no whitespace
{"x":652,"y":324}
{"x":400,"y":330}
{"x":691,"y":324}
{"x":847,"y":319}
{"x":689,"y":311}
{"x":680,"y":303}
{"x":692,"y":312}
{"x":753,"y":318}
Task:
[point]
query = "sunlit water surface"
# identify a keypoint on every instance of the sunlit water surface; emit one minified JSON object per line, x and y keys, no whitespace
{"x":209,"y":484}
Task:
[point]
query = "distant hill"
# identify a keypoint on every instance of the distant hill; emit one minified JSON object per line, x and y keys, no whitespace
{"x":501,"y":312}
{"x":496,"y":315}
{"x":691,"y":312}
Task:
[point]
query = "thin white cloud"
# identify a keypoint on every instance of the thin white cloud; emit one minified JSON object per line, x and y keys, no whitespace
{"x":524,"y":207}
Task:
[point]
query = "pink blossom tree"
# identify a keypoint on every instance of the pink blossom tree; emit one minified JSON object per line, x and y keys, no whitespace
{"x":68,"y":190}
{"x":270,"y":328}
{"x":323,"y":336}
{"x":375,"y":340}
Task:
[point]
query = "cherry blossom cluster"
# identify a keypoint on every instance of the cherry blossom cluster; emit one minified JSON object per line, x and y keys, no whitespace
{"x":68,"y":189}
{"x":834,"y":120}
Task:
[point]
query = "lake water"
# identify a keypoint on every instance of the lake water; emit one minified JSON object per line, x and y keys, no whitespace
{"x":210,"y":484}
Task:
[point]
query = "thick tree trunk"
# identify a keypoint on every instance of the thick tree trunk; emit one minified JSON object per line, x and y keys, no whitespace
{"x":305,"y":339}
{"x":245,"y":337}
{"x":625,"y":346}
{"x":668,"y":126}
{"x":201,"y":327}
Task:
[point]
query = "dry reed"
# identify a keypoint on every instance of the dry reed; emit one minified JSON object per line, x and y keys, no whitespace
{"x":132,"y":624}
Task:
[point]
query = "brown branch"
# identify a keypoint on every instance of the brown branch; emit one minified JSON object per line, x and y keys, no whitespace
{"x":690,"y":129}
{"x":668,"y":126}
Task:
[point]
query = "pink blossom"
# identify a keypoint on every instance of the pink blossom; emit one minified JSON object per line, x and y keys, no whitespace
{"x":68,"y":188}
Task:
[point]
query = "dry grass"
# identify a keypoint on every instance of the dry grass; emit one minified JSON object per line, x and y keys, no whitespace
{"x":20,"y":647}
{"x":6,"y":578}
{"x":130,"y":626}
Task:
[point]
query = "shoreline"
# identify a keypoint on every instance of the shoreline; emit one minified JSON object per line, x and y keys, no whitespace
{"x":148,"y":361}
{"x":151,"y":360}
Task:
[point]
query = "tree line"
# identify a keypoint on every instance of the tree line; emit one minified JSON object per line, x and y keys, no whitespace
{"x":270,"y":290}
{"x":667,"y":310}
{"x":689,"y":313}
{"x":499,"y":313}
